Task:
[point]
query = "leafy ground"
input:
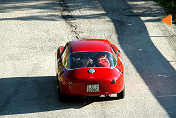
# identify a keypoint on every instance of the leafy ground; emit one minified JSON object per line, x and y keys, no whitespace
{"x":170,"y":6}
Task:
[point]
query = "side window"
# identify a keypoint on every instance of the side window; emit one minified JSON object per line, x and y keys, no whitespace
{"x":65,"y":57}
{"x":114,"y":57}
{"x":113,"y":50}
{"x":66,"y":61}
{"x":114,"y":61}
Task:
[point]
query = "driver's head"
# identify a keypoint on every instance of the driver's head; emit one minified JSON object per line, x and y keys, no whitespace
{"x":103,"y":62}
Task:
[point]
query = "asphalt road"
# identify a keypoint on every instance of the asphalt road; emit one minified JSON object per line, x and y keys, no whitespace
{"x":31,"y":31}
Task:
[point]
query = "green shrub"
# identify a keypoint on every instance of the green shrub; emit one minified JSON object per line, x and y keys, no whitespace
{"x":170,"y":6}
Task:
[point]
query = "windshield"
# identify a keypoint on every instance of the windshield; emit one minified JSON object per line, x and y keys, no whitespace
{"x":91,"y":59}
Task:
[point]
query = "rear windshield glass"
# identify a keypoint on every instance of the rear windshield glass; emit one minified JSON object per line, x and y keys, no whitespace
{"x":91,"y":59}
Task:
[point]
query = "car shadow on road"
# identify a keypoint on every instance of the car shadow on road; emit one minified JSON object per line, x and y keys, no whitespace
{"x":152,"y":66}
{"x":20,"y":95}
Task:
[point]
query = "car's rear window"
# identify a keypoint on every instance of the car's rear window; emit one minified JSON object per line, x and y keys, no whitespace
{"x":91,"y":59}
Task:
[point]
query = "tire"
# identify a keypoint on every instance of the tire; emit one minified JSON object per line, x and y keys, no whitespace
{"x":121,"y":95}
{"x":61,"y":96}
{"x":57,"y":82}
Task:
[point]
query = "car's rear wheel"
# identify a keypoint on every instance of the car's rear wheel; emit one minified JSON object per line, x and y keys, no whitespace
{"x":121,"y":95}
{"x":62,"y":97}
{"x":57,"y":84}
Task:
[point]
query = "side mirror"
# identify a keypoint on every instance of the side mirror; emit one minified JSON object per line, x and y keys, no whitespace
{"x":61,"y":49}
{"x":117,"y":51}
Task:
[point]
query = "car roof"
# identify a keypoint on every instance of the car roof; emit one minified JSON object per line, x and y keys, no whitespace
{"x":89,"y":45}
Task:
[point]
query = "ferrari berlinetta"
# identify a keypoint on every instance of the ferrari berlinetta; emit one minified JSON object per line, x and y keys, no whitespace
{"x":89,"y":67}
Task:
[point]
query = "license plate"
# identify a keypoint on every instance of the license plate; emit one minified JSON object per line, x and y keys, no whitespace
{"x":93,"y":88}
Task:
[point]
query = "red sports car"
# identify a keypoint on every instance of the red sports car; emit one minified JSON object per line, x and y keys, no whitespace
{"x":89,"y":67}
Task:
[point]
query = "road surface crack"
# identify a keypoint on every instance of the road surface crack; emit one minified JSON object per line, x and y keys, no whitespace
{"x":67,"y":16}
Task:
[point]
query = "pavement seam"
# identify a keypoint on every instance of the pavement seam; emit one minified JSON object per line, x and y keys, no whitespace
{"x":67,"y":16}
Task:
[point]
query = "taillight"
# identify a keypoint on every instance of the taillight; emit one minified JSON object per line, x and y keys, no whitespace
{"x":113,"y":81}
{"x":70,"y":83}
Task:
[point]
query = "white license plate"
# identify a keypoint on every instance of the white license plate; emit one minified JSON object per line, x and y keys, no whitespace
{"x":93,"y":88}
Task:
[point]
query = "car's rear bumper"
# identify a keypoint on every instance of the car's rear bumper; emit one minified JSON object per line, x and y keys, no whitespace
{"x":105,"y":88}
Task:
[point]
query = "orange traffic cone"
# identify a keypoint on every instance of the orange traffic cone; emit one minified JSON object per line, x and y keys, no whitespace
{"x":168,"y":19}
